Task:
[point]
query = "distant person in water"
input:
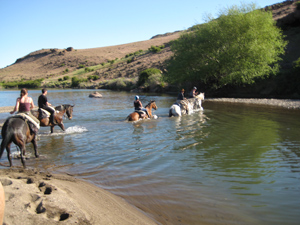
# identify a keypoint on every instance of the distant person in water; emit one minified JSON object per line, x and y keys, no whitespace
{"x":181,"y":95}
{"x":44,"y":104}
{"x":138,"y":105}
{"x":193,"y":93}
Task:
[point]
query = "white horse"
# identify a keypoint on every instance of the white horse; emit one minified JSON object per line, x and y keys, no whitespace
{"x":186,"y":106}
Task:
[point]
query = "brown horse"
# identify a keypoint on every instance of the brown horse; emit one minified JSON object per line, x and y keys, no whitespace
{"x":16,"y":130}
{"x":58,"y":117}
{"x":136,"y":116}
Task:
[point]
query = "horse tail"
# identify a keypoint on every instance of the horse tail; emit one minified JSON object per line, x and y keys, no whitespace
{"x":6,"y":137}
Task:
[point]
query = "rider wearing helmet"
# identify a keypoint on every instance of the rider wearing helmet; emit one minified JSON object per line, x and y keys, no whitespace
{"x":193,"y":92}
{"x":138,"y":105}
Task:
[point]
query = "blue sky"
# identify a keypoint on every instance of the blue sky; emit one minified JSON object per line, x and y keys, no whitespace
{"x":30,"y":25}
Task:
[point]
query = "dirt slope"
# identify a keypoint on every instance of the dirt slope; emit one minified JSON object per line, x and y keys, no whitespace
{"x":53,"y":63}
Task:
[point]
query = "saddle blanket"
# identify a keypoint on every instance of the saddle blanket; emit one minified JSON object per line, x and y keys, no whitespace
{"x":24,"y":117}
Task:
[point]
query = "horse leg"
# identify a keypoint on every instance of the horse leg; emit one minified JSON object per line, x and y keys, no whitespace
{"x":51,"y":129}
{"x":34,"y":142}
{"x":23,"y":151}
{"x":8,"y":154}
{"x":62,"y":126}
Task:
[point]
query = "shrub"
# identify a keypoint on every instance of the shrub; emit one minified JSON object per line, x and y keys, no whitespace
{"x":66,"y":77}
{"x":76,"y":81}
{"x":145,"y":74}
{"x":60,"y":79}
{"x":93,"y":77}
{"x":156,"y":49}
{"x":24,"y":84}
{"x":81,"y":66}
{"x":87,"y":69}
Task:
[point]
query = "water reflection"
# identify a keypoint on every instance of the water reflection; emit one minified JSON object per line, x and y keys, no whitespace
{"x":226,"y":165}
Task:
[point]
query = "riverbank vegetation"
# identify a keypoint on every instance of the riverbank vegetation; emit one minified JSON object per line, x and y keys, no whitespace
{"x":243,"y":52}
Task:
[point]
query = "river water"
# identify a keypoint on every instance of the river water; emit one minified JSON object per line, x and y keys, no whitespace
{"x":230,"y":164}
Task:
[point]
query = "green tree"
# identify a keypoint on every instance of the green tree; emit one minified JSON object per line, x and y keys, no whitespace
{"x":241,"y":44}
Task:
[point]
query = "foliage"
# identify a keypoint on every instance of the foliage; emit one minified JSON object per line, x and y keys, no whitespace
{"x":93,"y":77}
{"x":23,"y":84}
{"x":134,"y":54}
{"x":66,"y":77}
{"x":239,"y":46}
{"x":76,"y":81}
{"x":81,"y":66}
{"x":156,"y":49}
{"x":145,"y":74}
{"x":87,"y":69}
{"x":124,"y":84}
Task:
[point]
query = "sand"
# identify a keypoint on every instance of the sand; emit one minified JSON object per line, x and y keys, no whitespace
{"x":32,"y":197}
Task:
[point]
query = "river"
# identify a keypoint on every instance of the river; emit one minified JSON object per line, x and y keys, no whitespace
{"x":228,"y":164}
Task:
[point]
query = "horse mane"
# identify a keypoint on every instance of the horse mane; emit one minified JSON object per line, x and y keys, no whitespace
{"x":148,"y":105}
{"x":62,"y":107}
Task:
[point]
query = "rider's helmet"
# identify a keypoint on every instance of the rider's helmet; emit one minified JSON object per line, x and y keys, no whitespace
{"x":137,"y":97}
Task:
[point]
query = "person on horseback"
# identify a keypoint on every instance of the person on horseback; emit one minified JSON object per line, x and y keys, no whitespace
{"x":24,"y":104}
{"x":138,"y":105}
{"x":44,"y":104}
{"x":193,"y":92}
{"x":181,"y":95}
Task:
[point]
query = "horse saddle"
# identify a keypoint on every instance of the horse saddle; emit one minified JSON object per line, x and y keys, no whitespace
{"x":141,"y":113}
{"x":43,"y":113}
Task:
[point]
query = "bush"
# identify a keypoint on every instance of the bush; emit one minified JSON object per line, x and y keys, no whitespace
{"x":76,"y":81}
{"x":93,"y":77}
{"x":66,"y":77}
{"x":24,"y":84}
{"x":145,"y":74}
{"x":155,"y":49}
{"x":87,"y":69}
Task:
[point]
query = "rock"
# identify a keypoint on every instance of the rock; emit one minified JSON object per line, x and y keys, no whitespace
{"x":95,"y":95}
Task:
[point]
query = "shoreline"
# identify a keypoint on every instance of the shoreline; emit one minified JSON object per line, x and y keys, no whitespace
{"x":34,"y":197}
{"x":38,"y":197}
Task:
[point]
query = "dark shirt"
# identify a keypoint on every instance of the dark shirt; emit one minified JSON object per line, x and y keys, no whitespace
{"x":180,"y":96}
{"x":42,"y":101}
{"x":137,"y":105}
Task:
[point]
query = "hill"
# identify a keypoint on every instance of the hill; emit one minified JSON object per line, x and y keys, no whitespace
{"x":97,"y":66}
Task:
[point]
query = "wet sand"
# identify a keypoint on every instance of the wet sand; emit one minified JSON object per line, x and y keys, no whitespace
{"x":32,"y":197}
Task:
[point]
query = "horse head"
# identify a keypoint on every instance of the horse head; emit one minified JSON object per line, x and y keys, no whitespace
{"x":152,"y":104}
{"x":69,"y":111}
{"x":200,"y":96}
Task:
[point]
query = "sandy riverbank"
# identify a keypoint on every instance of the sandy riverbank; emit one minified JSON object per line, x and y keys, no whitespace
{"x":32,"y":197}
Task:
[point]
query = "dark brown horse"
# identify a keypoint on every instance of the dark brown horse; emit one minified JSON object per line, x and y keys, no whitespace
{"x":58,"y":117}
{"x":136,"y":116}
{"x":16,"y":130}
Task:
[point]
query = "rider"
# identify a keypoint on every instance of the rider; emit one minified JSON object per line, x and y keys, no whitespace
{"x":193,"y":93}
{"x":138,"y":105}
{"x":24,"y":104}
{"x":44,"y":104}
{"x":181,"y":95}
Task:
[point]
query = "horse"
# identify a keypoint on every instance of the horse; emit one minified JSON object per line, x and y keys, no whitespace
{"x":139,"y":115}
{"x":58,"y":116}
{"x":186,"y":106}
{"x":16,"y":130}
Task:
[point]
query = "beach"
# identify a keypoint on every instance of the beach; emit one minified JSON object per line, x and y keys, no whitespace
{"x":33,"y":197}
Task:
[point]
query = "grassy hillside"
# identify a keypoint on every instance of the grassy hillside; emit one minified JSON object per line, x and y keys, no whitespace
{"x":118,"y":67}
